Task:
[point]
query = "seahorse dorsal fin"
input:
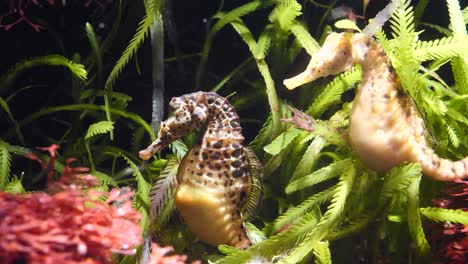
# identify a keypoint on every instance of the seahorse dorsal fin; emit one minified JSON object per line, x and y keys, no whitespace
{"x":381,"y":17}
{"x":255,"y":193}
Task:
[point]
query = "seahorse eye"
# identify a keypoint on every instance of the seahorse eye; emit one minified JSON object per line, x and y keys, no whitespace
{"x":174,"y":105}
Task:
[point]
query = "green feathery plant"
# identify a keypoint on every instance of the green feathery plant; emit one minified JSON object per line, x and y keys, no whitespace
{"x":316,"y":170}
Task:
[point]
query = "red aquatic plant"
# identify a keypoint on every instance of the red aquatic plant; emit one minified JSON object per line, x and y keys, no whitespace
{"x":70,"y":223}
{"x":159,"y":256}
{"x":450,"y":239}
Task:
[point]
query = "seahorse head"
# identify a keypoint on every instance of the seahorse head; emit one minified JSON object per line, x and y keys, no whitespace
{"x":187,"y":113}
{"x":334,"y":57}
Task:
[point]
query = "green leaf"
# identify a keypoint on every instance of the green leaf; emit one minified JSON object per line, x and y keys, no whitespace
{"x":285,"y":13}
{"x":295,"y":213}
{"x":140,"y":35}
{"x":414,"y":220}
{"x":142,"y":197}
{"x":96,"y":50}
{"x":322,"y":252}
{"x":331,"y":93}
{"x":6,"y":108}
{"x":305,"y":39}
{"x":331,"y":171}
{"x":79,"y":107}
{"x":161,"y":192}
{"x":309,"y":158}
{"x":283,"y":140}
{"x":454,"y":139}
{"x":263,"y":136}
{"x":445,"y":215}
{"x":179,"y":149}
{"x":457,"y":23}
{"x":224,"y":19}
{"x":99,"y":128}
{"x":14,"y":186}
{"x":347,"y":24}
{"x":332,"y":217}
{"x":255,"y":234}
{"x":398,"y":179}
{"x":276,"y":245}
{"x":440,"y":49}
{"x":246,"y":35}
{"x":5,"y":164}
{"x":52,"y":60}
{"x":104,"y":179}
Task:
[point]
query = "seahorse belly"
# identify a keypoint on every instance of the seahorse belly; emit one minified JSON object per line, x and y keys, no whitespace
{"x":206,"y":212}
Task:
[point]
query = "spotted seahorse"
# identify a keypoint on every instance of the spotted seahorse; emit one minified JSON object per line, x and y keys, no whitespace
{"x":385,"y":128}
{"x":219,"y":180}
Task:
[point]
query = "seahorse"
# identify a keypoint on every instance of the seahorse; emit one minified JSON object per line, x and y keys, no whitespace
{"x":385,"y":127}
{"x":219,"y":180}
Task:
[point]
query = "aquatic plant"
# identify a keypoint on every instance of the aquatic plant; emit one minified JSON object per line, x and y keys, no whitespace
{"x":321,"y":202}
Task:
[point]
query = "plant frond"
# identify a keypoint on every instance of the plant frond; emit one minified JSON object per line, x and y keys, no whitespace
{"x":79,"y":107}
{"x":331,"y":171}
{"x":432,"y":102}
{"x":277,"y":245}
{"x":262,"y":137}
{"x":104,"y":179}
{"x":114,"y":95}
{"x":140,"y":35}
{"x":285,"y":13}
{"x":96,"y":50}
{"x":264,"y":42}
{"x":402,"y":22}
{"x":99,"y":128}
{"x":444,"y":48}
{"x":227,"y":250}
{"x":331,"y":93}
{"x":442,"y":215}
{"x":347,"y":24}
{"x":294,"y":213}
{"x":414,"y":220}
{"x":275,"y":107}
{"x":333,"y":215}
{"x":142,"y":198}
{"x":457,"y":23}
{"x":52,"y":60}
{"x":454,"y":139}
{"x":162,"y":191}
{"x":329,"y":132}
{"x":179,"y":148}
{"x":309,"y":158}
{"x":247,"y":37}
{"x":349,"y":228}
{"x":224,"y":19}
{"x":6,"y":108}
{"x":283,"y":140}
{"x":5,"y":164}
{"x":398,"y":179}
{"x":14,"y":186}
{"x":322,"y":252}
{"x":304,"y":38}
{"x":256,"y":235}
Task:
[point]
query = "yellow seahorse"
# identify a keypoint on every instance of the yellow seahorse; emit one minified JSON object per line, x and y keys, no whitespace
{"x":385,"y":128}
